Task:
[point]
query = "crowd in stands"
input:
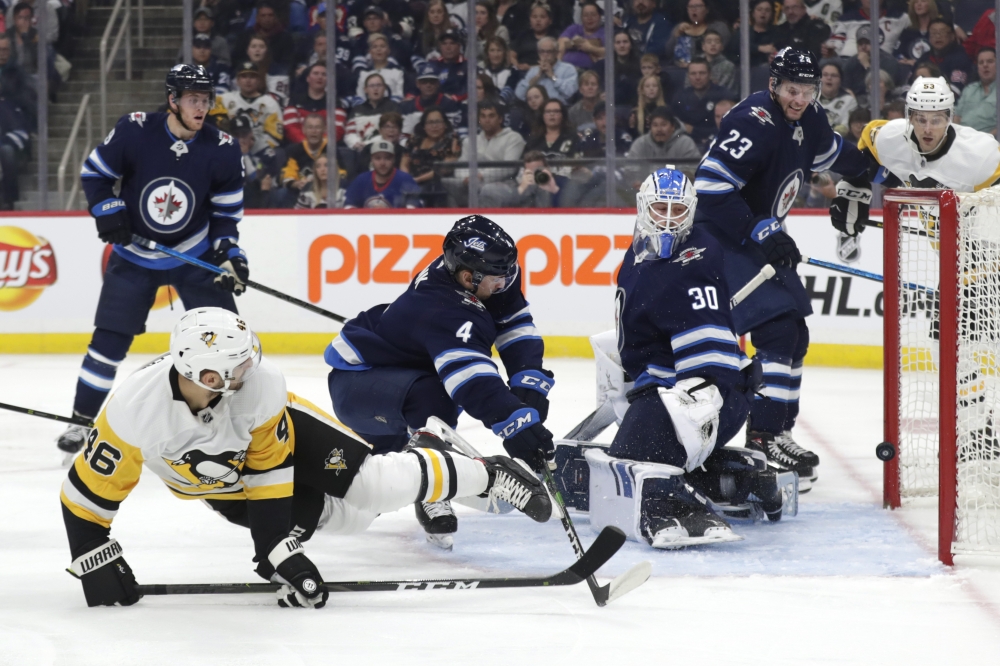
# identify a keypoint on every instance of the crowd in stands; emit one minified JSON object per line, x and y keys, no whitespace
{"x":401,"y":87}
{"x":19,"y":64}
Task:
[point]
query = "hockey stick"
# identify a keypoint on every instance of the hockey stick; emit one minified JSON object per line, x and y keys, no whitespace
{"x":875,"y":277}
{"x":909,"y":230}
{"x":621,"y":585}
{"x":765,"y":274}
{"x":45,"y":415}
{"x":608,"y":542}
{"x":618,"y":587}
{"x":194,"y":261}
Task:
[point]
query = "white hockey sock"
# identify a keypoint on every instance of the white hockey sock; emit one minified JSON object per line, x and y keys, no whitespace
{"x":446,"y":475}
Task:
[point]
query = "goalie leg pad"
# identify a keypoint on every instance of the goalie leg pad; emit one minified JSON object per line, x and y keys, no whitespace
{"x":612,"y":383}
{"x":572,"y":473}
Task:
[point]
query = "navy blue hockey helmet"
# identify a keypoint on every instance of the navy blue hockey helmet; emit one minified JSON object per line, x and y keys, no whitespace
{"x":478,"y":244}
{"x":182,"y":78}
{"x":795,"y":65}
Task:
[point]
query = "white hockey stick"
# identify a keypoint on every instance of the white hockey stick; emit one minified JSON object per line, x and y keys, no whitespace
{"x":765,"y":274}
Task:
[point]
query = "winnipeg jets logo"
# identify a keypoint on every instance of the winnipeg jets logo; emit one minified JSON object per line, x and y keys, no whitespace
{"x":689,"y":255}
{"x":138,"y":117}
{"x":475,"y":243}
{"x":225,"y":138}
{"x":166,"y":205}
{"x":179,"y":148}
{"x":762,"y":115}
{"x":786,"y":194}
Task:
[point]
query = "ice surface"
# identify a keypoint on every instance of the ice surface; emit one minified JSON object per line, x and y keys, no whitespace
{"x":844,"y":582}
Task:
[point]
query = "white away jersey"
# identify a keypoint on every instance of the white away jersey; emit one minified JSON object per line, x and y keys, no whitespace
{"x":971,"y":160}
{"x":236,"y":448}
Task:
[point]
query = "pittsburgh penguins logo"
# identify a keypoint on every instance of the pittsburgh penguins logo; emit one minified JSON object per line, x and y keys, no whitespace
{"x":205,"y":470}
{"x":335,"y":461}
{"x":208,"y":338}
{"x":166,"y":205}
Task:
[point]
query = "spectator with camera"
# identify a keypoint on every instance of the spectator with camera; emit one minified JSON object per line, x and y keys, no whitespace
{"x":537,"y":186}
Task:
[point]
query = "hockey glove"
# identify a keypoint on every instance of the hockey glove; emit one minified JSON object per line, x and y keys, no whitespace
{"x":849,"y":210}
{"x":780,"y":250}
{"x":301,"y":584}
{"x":230,"y":257}
{"x":530,"y":442}
{"x":532,"y":388}
{"x":694,"y":406}
{"x":106,"y":576}
{"x":113,"y":226}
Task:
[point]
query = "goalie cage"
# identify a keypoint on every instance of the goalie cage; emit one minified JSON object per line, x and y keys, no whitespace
{"x":942,"y":360}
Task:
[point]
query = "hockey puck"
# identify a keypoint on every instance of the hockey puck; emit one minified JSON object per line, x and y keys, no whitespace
{"x":885,"y":451}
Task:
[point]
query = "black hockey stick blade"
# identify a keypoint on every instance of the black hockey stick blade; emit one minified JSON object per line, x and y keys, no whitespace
{"x":608,"y":542}
{"x":45,"y":415}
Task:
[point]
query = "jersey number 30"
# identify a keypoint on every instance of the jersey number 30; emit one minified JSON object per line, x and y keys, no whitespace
{"x":702,"y":299}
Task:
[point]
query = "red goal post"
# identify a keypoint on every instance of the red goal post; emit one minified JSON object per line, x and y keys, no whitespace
{"x":942,"y":360}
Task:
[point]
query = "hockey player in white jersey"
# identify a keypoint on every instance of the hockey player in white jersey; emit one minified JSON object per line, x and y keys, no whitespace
{"x":214,"y":420}
{"x":927,"y":150}
{"x":924,"y":149}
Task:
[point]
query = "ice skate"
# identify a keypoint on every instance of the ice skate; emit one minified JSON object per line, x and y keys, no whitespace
{"x":439,"y":521}
{"x":71,"y":441}
{"x":512,"y":481}
{"x":779,"y":458}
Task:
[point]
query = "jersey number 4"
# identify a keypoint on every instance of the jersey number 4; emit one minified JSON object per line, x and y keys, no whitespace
{"x":736,"y":151}
{"x":464,"y":331}
{"x":704,"y":298}
{"x":103,"y":458}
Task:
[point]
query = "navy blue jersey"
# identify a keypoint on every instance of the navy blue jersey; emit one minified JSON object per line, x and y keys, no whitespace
{"x":758,"y":163}
{"x":438,"y":326}
{"x":184,"y":194}
{"x":674,"y":320}
{"x":401,"y":191}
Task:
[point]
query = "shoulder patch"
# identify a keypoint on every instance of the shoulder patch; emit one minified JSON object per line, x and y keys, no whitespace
{"x":225,"y":138}
{"x":762,"y":115}
{"x":138,"y":117}
{"x":470,"y":299}
{"x":689,"y":255}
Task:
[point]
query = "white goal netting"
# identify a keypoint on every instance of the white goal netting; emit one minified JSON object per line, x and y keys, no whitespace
{"x":975,"y":328}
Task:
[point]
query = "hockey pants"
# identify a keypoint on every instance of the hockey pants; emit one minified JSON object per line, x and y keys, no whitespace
{"x":127,"y":296}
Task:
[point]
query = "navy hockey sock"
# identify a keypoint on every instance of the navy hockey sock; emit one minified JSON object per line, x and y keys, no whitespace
{"x":97,"y":375}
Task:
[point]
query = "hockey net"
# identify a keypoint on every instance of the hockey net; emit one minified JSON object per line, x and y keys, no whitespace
{"x":942,"y":350}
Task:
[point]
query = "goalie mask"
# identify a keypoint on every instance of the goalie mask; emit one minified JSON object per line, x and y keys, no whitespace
{"x":665,"y":208}
{"x":930,"y":104}
{"x":217,"y":340}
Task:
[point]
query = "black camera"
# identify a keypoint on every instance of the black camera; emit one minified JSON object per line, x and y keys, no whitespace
{"x":542,"y":177}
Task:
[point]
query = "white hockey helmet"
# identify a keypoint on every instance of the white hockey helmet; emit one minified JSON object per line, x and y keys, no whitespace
{"x":657,"y":234}
{"x":930,"y":94}
{"x":218,"y":340}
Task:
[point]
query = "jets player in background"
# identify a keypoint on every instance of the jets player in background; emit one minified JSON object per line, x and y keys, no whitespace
{"x":693,"y":385}
{"x":214,"y":420}
{"x":429,"y":354}
{"x":181,"y":184}
{"x":765,"y":149}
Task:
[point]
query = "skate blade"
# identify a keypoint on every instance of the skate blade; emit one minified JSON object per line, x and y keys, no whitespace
{"x":686,"y":541}
{"x":442,"y":541}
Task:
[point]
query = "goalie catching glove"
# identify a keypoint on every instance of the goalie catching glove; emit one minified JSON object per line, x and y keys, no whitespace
{"x":300,"y":580}
{"x":106,"y":576}
{"x":694,"y":406}
{"x":849,"y":210}
{"x":231,"y":258}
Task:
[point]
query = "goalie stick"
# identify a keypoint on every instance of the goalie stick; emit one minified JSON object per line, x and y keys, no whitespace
{"x":618,"y":587}
{"x":765,"y":274}
{"x":608,"y":542}
{"x":194,"y":261}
